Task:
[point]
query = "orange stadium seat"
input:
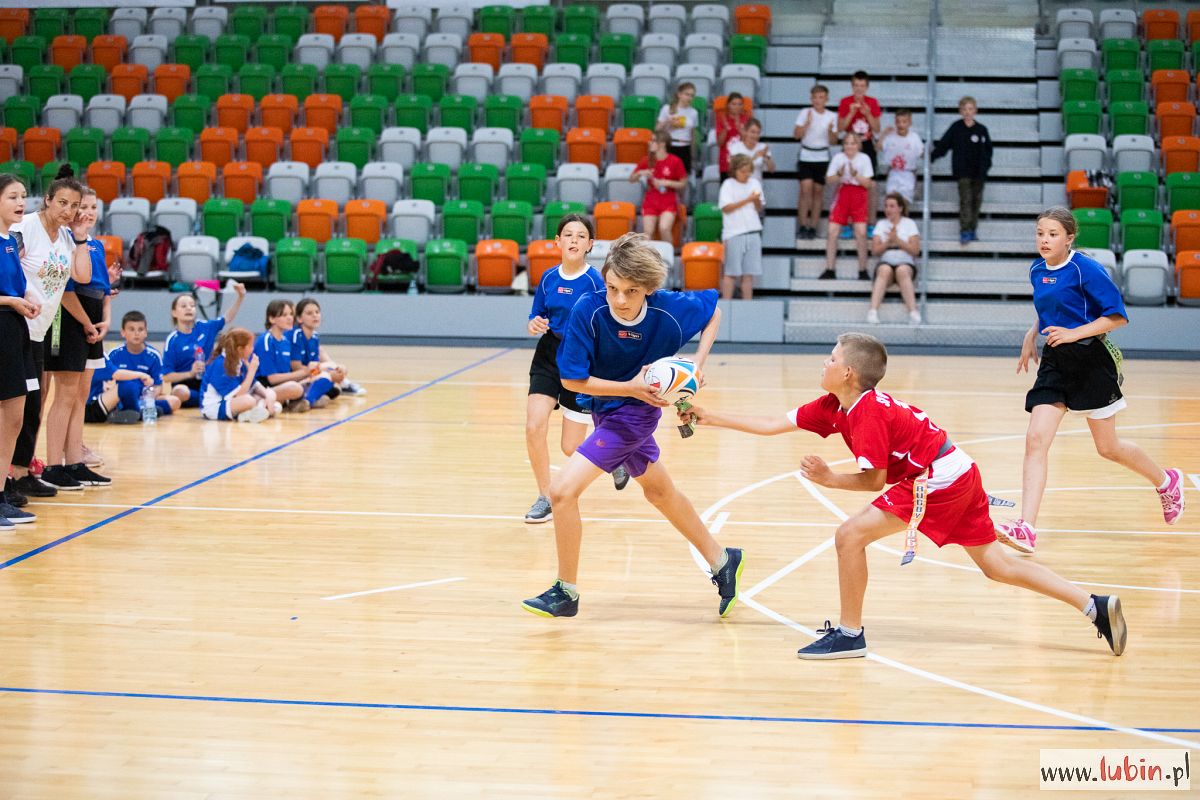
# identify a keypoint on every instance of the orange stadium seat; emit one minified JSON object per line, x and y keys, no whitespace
{"x":1170,"y":85}
{"x":1175,"y":119}
{"x":331,"y":20}
{"x":543,"y":255}
{"x":8,"y":143}
{"x":753,"y":19}
{"x":680,"y":225}
{"x":374,"y":20}
{"x":218,"y":145}
{"x":365,"y":219}
{"x":496,"y":264}
{"x":1187,"y":275}
{"x":631,"y":144}
{"x":586,"y":145}
{"x":529,"y":48}
{"x":548,"y":111}
{"x":323,"y":111}
{"x":235,"y":111}
{"x":719,"y":104}
{"x":171,"y":80}
{"x":279,"y":111}
{"x":614,"y":219}
{"x":107,"y":178}
{"x":13,"y":23}
{"x":1185,"y":228}
{"x":309,"y":145}
{"x":486,"y":48}
{"x":316,"y":219}
{"x":114,"y":248}
{"x":263,"y":145}
{"x":1180,"y":154}
{"x":67,"y":51}
{"x":241,"y":180}
{"x":196,"y":179}
{"x":41,"y":145}
{"x":1193,"y":26}
{"x":702,"y":265}
{"x":151,"y":180}
{"x":594,"y":111}
{"x":1160,"y":23}
{"x":108,"y":51}
{"x":129,"y":80}
{"x":1081,"y":194}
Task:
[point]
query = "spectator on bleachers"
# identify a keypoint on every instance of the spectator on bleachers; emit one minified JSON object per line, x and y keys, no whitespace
{"x":679,"y":119}
{"x":897,"y":244}
{"x":189,"y":347}
{"x":741,"y":202}
{"x":230,"y":390}
{"x":665,"y":176}
{"x":750,"y":144}
{"x":972,"y":159}
{"x":851,"y":174}
{"x":901,"y":149}
{"x":816,"y":128}
{"x":860,"y":114}
{"x":729,"y":128}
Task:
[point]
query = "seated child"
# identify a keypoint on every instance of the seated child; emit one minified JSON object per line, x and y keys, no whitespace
{"x":308,"y":352}
{"x":135,"y":365}
{"x":229,"y":389}
{"x":295,"y":387}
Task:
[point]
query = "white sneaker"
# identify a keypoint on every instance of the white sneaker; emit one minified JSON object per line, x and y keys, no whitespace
{"x":256,"y":414}
{"x":914,"y":318}
{"x":352,"y":388}
{"x":873,"y":317}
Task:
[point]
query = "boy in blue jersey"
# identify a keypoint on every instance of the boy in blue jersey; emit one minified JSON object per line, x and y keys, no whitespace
{"x":136,"y":365}
{"x":1077,"y":306}
{"x":611,"y":338}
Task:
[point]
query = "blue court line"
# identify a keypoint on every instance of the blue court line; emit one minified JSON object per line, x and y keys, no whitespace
{"x":199,"y":481}
{"x":555,"y":712}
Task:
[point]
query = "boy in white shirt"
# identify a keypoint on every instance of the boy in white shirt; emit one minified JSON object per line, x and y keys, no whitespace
{"x":850,"y":171}
{"x":901,"y":149}
{"x":741,"y":201}
{"x":816,"y":128}
{"x":750,"y":144}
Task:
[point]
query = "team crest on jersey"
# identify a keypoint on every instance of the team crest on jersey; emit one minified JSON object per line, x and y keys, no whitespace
{"x":628,"y":335}
{"x":1048,"y":279}
{"x":565,"y":290}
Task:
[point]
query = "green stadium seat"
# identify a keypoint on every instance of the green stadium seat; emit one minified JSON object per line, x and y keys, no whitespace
{"x":503,"y":111}
{"x":539,"y":146}
{"x":463,"y":220}
{"x":458,"y":111}
{"x":84,"y":145}
{"x":1120,"y":54}
{"x":478,"y":182}
{"x":49,"y":22}
{"x":256,"y":80}
{"x":386,"y":80}
{"x":214,"y":80}
{"x":191,"y":111}
{"x":1081,"y":116}
{"x":387,"y":245}
{"x":1183,"y":191}
{"x":231,"y":50}
{"x":1141,"y":229}
{"x":90,"y":22}
{"x":1136,"y":190}
{"x":248,"y":20}
{"x":555,"y":211}
{"x":291,"y":21}
{"x":222,"y":217}
{"x":640,"y":111}
{"x":270,"y":218}
{"x":1164,"y":54}
{"x":1079,"y":84}
{"x":369,"y":111}
{"x":345,"y":265}
{"x":1095,"y":228}
{"x":342,"y":80}
{"x":295,"y":264}
{"x":21,"y":111}
{"x":1128,"y":117}
{"x":747,"y":48}
{"x":445,"y":265}
{"x":617,"y":48}
{"x":525,"y":183}
{"x":573,"y":48}
{"x":496,"y":19}
{"x":274,"y":49}
{"x":355,"y":145}
{"x":1125,"y":85}
{"x":430,"y":182}
{"x":413,"y":111}
{"x":512,"y":219}
{"x":581,"y":20}
{"x":24,"y":170}
{"x":430,"y":80}
{"x":28,"y":51}
{"x":174,"y":145}
{"x":708,"y":219}
{"x":191,"y":49}
{"x":299,"y":80}
{"x":45,"y":80}
{"x":130,"y":145}
{"x":540,"y":19}
{"x":87,"y":81}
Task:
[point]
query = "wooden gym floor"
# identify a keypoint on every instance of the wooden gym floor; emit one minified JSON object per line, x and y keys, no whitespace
{"x":328,"y":606}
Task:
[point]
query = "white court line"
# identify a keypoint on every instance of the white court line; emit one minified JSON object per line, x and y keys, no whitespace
{"x":810,"y":555}
{"x":718,"y":522}
{"x":979,"y":690}
{"x":1195,"y":479}
{"x":393,"y":588}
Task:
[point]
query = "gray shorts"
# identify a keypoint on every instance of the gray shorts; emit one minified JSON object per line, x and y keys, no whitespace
{"x":743,"y":254}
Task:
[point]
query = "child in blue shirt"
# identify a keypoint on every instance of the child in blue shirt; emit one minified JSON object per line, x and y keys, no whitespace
{"x":307,"y":351}
{"x":136,"y":365}
{"x":612,"y":337}
{"x":189,"y":346}
{"x":229,"y":390}
{"x":294,"y":386}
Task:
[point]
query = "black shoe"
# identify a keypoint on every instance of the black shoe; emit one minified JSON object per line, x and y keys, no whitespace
{"x":620,"y":478}
{"x":82,"y":473}
{"x":727,"y":580}
{"x":835,"y":644}
{"x":1110,"y":622}
{"x":11,"y":495}
{"x":16,"y":515}
{"x":827,"y":275}
{"x":58,"y":477}
{"x":126,"y":416}
{"x":554,"y":602}
{"x":34,"y":487}
{"x":863,"y":276}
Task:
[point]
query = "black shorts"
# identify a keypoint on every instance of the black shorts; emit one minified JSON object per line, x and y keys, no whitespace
{"x":1083,"y":377}
{"x":73,"y":351}
{"x":95,"y":412}
{"x":684,"y":151}
{"x":262,"y":380}
{"x":17,"y":364}
{"x":193,"y":385}
{"x":812,"y":171}
{"x":868,"y":149}
{"x":543,"y":374}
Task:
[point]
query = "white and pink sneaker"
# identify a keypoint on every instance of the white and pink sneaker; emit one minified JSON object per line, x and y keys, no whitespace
{"x":1172,"y":496}
{"x":1019,"y":535}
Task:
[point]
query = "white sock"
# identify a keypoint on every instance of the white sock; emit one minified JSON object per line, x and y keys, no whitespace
{"x":1166,"y":481}
{"x":720,"y":565}
{"x":1090,"y":609}
{"x":851,"y":632}
{"x":571,"y":589}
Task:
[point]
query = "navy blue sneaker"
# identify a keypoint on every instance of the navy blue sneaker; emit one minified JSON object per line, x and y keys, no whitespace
{"x":1110,"y":622}
{"x":728,"y":580}
{"x":554,"y":602}
{"x":620,"y":477}
{"x":835,"y":644}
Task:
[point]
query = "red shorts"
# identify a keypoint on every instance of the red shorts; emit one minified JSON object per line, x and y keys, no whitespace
{"x":850,"y":205}
{"x":655,"y":202}
{"x":957,"y":514}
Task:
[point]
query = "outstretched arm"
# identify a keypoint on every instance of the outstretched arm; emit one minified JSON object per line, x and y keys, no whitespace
{"x":760,"y":425}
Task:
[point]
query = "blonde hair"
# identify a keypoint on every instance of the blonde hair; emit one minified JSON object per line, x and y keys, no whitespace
{"x":631,"y":259}
{"x":866,"y":355}
{"x":966,"y":98}
{"x":739,"y":161}
{"x":1062,"y":216}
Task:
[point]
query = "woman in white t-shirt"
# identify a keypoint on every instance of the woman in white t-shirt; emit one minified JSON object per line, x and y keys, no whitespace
{"x":897,"y":244}
{"x":48,"y":258}
{"x":679,"y":119}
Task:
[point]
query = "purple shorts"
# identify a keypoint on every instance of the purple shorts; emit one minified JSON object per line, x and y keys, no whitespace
{"x":624,"y":435}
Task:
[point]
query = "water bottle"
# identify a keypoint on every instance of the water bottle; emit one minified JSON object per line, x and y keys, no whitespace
{"x":149,"y":406}
{"x":412,"y":285}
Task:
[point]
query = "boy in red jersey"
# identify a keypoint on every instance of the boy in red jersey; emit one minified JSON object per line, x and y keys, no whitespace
{"x":895,"y":443}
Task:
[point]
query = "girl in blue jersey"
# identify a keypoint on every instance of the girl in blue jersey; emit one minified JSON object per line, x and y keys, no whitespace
{"x":612,"y":337}
{"x":189,"y":346}
{"x":294,"y":387}
{"x":229,"y":389}
{"x":1077,"y":306}
{"x":557,"y":293}
{"x":307,"y":351}
{"x":18,"y":370}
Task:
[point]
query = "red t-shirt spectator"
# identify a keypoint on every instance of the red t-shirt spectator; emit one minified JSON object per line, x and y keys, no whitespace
{"x":657,"y":201}
{"x":732,"y":128}
{"x":858,"y":121}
